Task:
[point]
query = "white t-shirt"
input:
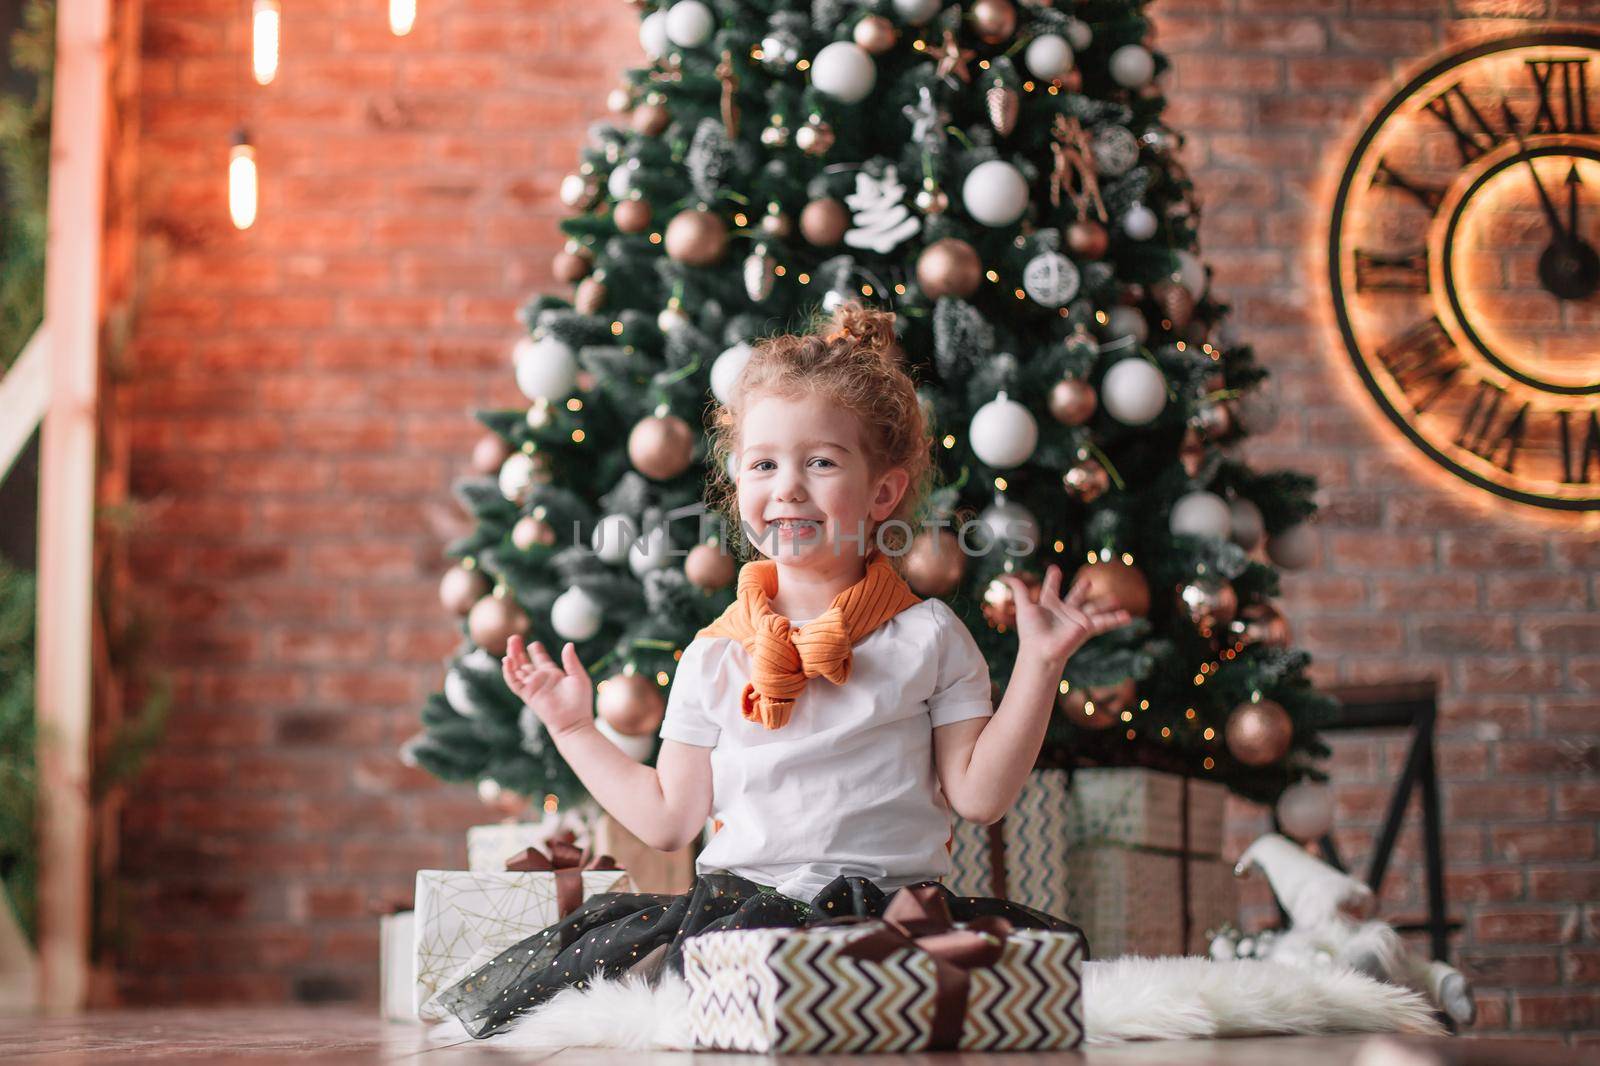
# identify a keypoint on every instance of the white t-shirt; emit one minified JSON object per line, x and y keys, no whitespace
{"x":848,"y":785}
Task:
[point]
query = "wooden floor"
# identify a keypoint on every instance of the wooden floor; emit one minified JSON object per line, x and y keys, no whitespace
{"x":357,"y":1037}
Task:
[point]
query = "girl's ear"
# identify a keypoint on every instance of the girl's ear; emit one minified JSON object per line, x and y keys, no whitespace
{"x":891,"y":489}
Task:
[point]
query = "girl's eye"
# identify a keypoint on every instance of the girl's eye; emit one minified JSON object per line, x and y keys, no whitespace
{"x":819,"y":459}
{"x":761,"y":464}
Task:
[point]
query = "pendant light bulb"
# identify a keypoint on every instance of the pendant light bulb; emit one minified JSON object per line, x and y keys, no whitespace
{"x":265,"y":18}
{"x":402,"y":16}
{"x":242,"y":185}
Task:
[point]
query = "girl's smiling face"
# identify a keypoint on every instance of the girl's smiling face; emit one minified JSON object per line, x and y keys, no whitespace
{"x":807,"y":491}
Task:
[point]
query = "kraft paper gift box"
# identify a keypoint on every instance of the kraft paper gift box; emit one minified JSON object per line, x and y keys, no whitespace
{"x":1130,"y":901}
{"x":464,"y":916}
{"x":912,"y":982}
{"x":1142,"y":808}
{"x":397,"y":966}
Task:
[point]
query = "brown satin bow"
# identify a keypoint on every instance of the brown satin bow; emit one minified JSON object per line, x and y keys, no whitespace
{"x":918,"y":918}
{"x":567,"y":862}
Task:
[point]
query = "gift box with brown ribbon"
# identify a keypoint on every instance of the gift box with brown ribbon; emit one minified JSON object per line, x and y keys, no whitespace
{"x":464,"y":916}
{"x":912,"y":981}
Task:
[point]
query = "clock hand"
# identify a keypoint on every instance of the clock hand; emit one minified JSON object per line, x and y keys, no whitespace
{"x":1573,"y":181}
{"x":1557,"y":233}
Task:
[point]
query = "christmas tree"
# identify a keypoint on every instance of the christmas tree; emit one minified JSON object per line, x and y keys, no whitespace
{"x":999,"y":176}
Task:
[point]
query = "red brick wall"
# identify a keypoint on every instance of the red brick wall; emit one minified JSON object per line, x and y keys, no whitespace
{"x":298,"y":402}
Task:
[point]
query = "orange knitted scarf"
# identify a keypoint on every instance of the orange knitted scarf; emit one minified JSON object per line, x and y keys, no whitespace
{"x":784,"y":658}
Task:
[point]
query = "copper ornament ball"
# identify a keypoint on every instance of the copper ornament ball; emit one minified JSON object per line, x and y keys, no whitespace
{"x":1000,"y":603}
{"x":570,"y":266}
{"x":1088,"y":239}
{"x":994,"y":20}
{"x":935,"y":564}
{"x":1072,"y":401}
{"x":1258,"y":734}
{"x":460,"y":588}
{"x":1108,"y":701}
{"x":1114,"y":584}
{"x":1175,"y":302}
{"x":824,"y":222}
{"x":697,"y":238}
{"x":1210,"y":603}
{"x":530,"y":532}
{"x":590,"y":296}
{"x":709,"y":567}
{"x":949,"y":267}
{"x":876,"y":34}
{"x":1264,"y":624}
{"x":651,"y":119}
{"x":632,"y":216}
{"x":1087,"y":480}
{"x":489,"y":454}
{"x":661,"y":446}
{"x":493,"y":621}
{"x":1214,"y":420}
{"x":631,"y":704}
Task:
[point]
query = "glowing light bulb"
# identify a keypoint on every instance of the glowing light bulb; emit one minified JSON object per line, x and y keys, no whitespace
{"x":402,"y":16}
{"x":242,"y":184}
{"x":264,"y":40}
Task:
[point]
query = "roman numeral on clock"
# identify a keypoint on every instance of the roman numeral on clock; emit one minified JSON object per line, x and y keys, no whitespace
{"x":1423,"y":358}
{"x":1429,"y":196}
{"x":1391,"y":273}
{"x":1485,"y":434}
{"x":1563,"y":86}
{"x":1579,"y":474}
{"x":1474,"y":136}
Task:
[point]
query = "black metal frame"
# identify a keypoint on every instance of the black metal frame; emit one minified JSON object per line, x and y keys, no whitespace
{"x":1414,"y":706}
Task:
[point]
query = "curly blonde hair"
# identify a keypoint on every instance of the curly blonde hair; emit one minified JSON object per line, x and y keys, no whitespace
{"x":852,"y":359}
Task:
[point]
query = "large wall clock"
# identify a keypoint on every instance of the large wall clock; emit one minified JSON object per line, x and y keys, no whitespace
{"x":1464,"y":264}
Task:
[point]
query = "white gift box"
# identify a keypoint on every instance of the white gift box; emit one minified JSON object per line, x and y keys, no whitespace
{"x":463,"y":916}
{"x":397,"y":966}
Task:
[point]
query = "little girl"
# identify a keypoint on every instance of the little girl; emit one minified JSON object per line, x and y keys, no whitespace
{"x":828,"y":721}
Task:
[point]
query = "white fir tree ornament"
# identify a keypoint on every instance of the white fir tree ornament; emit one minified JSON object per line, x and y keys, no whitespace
{"x":1003,"y":433}
{"x":546,"y":368}
{"x":881,"y":220}
{"x":574,"y":615}
{"x":1133,"y":392}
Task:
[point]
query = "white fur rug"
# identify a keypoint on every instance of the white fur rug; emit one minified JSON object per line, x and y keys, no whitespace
{"x":1123,"y":999}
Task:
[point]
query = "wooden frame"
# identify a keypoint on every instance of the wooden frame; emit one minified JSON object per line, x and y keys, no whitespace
{"x":72,"y":310}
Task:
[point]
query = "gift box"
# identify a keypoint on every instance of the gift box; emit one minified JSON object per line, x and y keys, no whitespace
{"x":913,"y":981}
{"x":464,"y":917}
{"x":1137,"y":901}
{"x":397,"y":966}
{"x":1143,"y":808}
{"x":1022,"y":857}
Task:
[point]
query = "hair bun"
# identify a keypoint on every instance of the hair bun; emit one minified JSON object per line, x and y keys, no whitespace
{"x":866,"y":327}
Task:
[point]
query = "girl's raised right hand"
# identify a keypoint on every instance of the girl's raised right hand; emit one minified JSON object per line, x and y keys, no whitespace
{"x":562,"y":698}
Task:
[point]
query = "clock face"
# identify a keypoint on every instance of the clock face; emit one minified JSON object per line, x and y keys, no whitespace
{"x":1464,"y":265}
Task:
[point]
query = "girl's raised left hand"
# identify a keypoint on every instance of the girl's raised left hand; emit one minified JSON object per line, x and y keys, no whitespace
{"x":1052,"y":628}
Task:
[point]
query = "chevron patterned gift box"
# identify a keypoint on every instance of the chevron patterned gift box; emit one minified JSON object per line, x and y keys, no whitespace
{"x":872,"y":986}
{"x":1034,"y":834}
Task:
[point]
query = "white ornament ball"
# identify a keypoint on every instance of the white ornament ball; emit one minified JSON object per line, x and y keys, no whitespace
{"x":1249,"y":528}
{"x":1125,"y":321}
{"x":917,"y":12}
{"x":653,"y":551}
{"x":1011,"y":525}
{"x":1305,"y":810}
{"x":612,"y":537}
{"x":1079,"y":35}
{"x":670,"y":319}
{"x":1192,"y":274}
{"x":1201,"y":514}
{"x":546,"y":368}
{"x":1133,"y":391}
{"x":995,"y":193}
{"x":1048,"y":56}
{"x":489,"y":790}
{"x":516,"y":476}
{"x":726,"y":370}
{"x":619,"y":183}
{"x":1003,"y":433}
{"x":1051,"y":279}
{"x":653,"y":34}
{"x":1294,"y":548}
{"x":1132,"y":66}
{"x":689,"y":23}
{"x":574,"y":615}
{"x":845,"y":71}
{"x":458,"y":694}
{"x":1140,"y":222}
{"x":575,"y":190}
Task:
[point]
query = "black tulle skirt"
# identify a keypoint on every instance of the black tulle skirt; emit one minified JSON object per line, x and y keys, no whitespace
{"x":615,"y":933}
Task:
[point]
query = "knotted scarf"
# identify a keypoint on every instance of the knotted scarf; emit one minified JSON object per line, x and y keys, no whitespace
{"x":783,"y":658}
